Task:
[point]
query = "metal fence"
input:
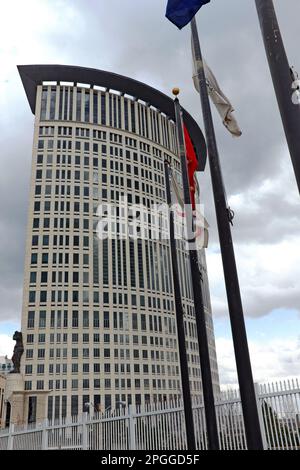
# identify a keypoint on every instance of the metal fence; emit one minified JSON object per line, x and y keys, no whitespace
{"x":161,"y":426}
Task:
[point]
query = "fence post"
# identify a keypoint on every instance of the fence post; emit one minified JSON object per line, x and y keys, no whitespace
{"x":10,"y":443}
{"x":132,"y":443}
{"x":84,"y":432}
{"x":45,"y":435}
{"x":260,"y":417}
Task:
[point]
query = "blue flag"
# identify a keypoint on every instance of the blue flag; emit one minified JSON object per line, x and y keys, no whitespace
{"x":180,"y":12}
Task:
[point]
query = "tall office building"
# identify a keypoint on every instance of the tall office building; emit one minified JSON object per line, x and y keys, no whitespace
{"x":98,"y":317}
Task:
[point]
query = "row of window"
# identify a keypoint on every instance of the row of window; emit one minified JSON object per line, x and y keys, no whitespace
{"x":119,"y":167}
{"x":117,"y":338}
{"x":59,"y":319}
{"x":78,"y":191}
{"x":93,"y":106}
{"x":60,"y":406}
{"x":153,"y":254}
{"x":76,"y":384}
{"x":107,"y":353}
{"x":60,"y":258}
{"x":107,"y":368}
{"x":75,"y":296}
{"x":65,"y":277}
{"x":62,"y":240}
{"x":78,"y":159}
{"x":115,"y":320}
{"x":61,"y":206}
{"x":107,"y":384}
{"x":49,"y":131}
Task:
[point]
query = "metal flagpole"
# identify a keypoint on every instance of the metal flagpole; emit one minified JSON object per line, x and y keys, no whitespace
{"x":185,"y":380}
{"x":282,"y":79}
{"x":250,"y":413}
{"x":196,"y":276}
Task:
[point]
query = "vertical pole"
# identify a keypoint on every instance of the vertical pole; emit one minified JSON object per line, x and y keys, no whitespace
{"x":261,"y":417}
{"x":131,"y":426}
{"x":45,"y":435}
{"x":196,"y":276}
{"x":185,"y":380}
{"x":10,"y":444}
{"x":282,"y":79}
{"x":242,"y":357}
{"x":84,"y":431}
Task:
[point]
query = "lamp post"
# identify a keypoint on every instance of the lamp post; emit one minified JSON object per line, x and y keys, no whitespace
{"x":90,"y":405}
{"x":123,"y":403}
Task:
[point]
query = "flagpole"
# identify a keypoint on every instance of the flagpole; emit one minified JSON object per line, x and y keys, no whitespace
{"x":282,"y":79}
{"x":242,"y":357}
{"x":184,"y":370}
{"x":196,"y":276}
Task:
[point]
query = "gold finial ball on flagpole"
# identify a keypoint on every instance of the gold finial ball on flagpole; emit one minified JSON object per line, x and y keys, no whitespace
{"x":175,"y":91}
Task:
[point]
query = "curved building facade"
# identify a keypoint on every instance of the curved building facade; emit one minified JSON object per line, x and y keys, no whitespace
{"x":98,"y":317}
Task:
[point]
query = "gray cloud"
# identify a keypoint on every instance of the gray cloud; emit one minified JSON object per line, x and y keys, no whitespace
{"x":133,"y":38}
{"x":272,"y":360}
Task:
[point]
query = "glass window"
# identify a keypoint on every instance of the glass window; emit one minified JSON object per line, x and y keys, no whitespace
{"x":42,"y":319}
{"x":32,"y":404}
{"x":33,"y":277}
{"x":43,"y":104}
{"x":96,"y":338}
{"x":96,"y":352}
{"x":97,"y":383}
{"x":75,"y":319}
{"x":45,"y":258}
{"x":46,"y":222}
{"x":41,"y":353}
{"x":106,"y":320}
{"x":103,"y":109}
{"x":85,"y":352}
{"x":78,"y":105}
{"x":45,"y":240}
{"x":86,"y":106}
{"x":96,"y":320}
{"x":37,"y":206}
{"x":85,"y":319}
{"x":95,"y":107}
{"x":74,"y":352}
{"x":74,"y":402}
{"x":36,"y":223}
{"x":40,"y":368}
{"x":49,"y":159}
{"x":52,"y":103}
{"x":28,"y":369}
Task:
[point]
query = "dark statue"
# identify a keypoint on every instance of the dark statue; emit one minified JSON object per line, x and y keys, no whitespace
{"x":18,"y":351}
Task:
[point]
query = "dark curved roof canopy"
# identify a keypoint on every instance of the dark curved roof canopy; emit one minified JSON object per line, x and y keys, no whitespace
{"x":34,"y":75}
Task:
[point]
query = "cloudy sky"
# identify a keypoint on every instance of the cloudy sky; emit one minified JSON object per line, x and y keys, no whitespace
{"x":132,"y":37}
